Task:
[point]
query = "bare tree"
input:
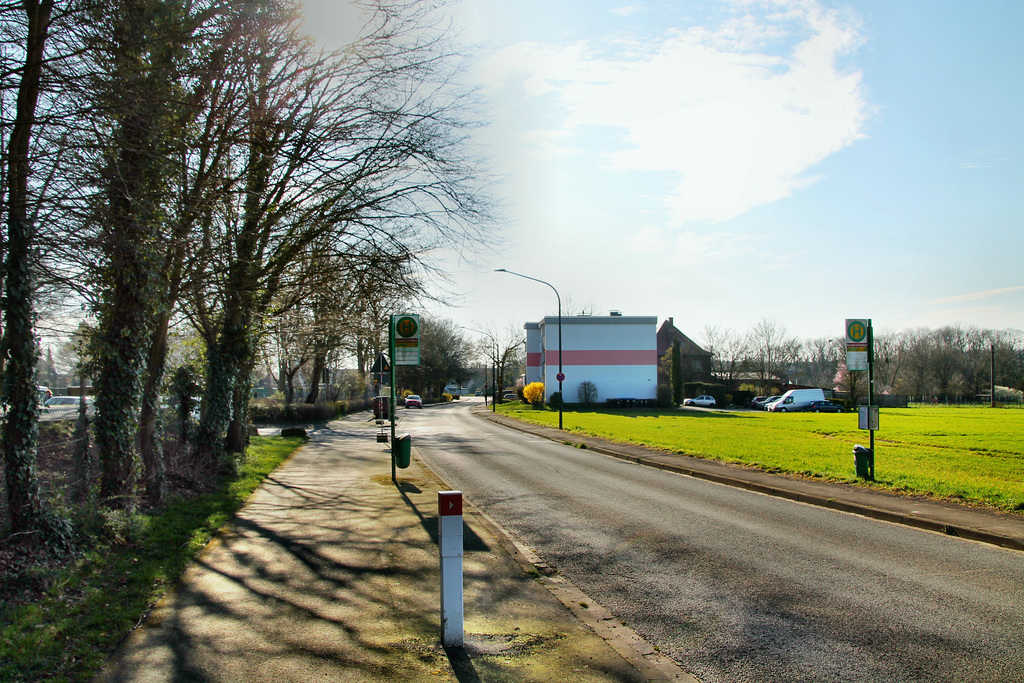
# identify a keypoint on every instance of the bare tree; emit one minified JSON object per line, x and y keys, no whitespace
{"x":506,"y":351}
{"x":772,"y":350}
{"x":360,"y":146}
{"x":915,"y":380}
{"x":821,"y":358}
{"x":728,"y":351}
{"x":444,"y":357}
{"x":889,"y":357}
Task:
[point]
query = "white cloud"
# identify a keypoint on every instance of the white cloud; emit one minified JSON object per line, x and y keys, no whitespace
{"x":626,"y":10}
{"x":684,"y":248}
{"x":738,"y":112}
{"x":976,"y":296}
{"x":987,"y":157}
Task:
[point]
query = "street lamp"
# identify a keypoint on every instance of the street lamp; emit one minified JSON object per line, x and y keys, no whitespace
{"x":494,"y":370}
{"x":561,"y":398}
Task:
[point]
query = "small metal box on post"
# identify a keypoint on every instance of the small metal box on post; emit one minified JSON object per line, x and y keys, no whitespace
{"x":450,"y":549}
{"x":862,"y":462}
{"x":401,"y":450}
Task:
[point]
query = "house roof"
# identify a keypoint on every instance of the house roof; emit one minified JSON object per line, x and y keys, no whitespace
{"x":668,"y":333}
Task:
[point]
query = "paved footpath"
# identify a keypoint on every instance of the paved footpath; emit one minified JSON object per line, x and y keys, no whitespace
{"x":330,"y":573}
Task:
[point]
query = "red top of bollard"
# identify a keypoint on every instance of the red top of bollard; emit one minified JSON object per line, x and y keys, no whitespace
{"x":449,"y":503}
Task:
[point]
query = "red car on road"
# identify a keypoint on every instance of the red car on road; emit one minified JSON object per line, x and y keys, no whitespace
{"x":413,"y":401}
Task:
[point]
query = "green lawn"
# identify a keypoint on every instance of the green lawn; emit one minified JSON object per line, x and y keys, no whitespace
{"x":971,"y":454}
{"x":130,"y":563}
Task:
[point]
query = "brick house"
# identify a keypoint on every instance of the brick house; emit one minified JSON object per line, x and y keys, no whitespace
{"x":696,"y":361}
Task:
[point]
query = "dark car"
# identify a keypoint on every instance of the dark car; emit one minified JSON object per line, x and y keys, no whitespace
{"x":766,"y":403}
{"x":823,"y":407}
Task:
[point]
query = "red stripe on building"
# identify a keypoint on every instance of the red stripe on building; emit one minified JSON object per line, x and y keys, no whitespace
{"x":621,"y":357}
{"x":533,"y":360}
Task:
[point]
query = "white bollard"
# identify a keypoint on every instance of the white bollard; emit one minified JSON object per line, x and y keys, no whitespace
{"x":449,"y":544}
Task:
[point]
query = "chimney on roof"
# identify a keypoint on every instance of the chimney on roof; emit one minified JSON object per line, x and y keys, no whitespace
{"x":672,"y":321}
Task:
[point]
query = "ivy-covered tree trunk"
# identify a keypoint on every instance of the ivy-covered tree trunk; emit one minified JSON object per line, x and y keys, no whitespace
{"x":141,"y":96}
{"x":20,"y":428}
{"x":238,"y":428}
{"x":149,"y":434}
{"x":228,"y":364}
{"x":231,"y":361}
{"x":124,"y":332}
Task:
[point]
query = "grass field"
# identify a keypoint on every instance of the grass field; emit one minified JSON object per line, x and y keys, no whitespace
{"x":970,"y":454}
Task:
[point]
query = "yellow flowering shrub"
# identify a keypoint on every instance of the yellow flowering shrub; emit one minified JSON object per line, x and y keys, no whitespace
{"x":534,"y":393}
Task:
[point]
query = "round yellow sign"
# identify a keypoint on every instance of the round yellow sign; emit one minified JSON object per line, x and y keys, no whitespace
{"x":856,"y":331}
{"x":406,"y":327}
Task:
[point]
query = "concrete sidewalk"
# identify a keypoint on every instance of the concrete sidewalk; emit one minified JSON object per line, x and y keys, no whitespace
{"x":977,"y":524}
{"x":330,"y":573}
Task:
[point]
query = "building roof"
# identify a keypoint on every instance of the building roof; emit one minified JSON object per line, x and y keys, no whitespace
{"x":668,"y":333}
{"x":599,"y":320}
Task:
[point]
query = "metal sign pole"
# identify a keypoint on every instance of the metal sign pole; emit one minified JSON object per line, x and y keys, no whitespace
{"x":392,"y":403}
{"x":871,"y":396}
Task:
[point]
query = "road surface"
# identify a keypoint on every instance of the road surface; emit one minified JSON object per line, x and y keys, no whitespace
{"x":739,"y":586}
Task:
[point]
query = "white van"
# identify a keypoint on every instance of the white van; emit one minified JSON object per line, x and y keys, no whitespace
{"x":797,"y":399}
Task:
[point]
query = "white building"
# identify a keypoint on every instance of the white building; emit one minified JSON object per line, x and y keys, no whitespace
{"x":619,"y":354}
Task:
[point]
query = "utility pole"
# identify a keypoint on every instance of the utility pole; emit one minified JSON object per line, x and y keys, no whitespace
{"x":992,"y":375}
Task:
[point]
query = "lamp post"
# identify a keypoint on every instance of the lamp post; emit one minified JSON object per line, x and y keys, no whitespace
{"x":561,"y":398}
{"x":494,"y":369}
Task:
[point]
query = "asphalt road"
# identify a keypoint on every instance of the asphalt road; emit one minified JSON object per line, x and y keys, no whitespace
{"x":739,"y":586}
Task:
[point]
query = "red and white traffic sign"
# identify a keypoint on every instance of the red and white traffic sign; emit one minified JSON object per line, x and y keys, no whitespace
{"x":449,"y":503}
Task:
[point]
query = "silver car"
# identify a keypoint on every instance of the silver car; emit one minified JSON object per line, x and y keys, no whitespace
{"x":65,"y":408}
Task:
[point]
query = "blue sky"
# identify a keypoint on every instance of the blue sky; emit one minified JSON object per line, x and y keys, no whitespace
{"x":721,"y":162}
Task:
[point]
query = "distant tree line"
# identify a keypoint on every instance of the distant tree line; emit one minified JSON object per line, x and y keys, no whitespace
{"x":953,"y":362}
{"x":203,"y":163}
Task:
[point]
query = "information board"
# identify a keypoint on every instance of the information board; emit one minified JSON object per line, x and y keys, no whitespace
{"x":405,"y":330}
{"x":857,"y":343}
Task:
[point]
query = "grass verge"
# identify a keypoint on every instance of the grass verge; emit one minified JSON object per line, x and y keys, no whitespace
{"x":968,"y":454}
{"x":92,"y":603}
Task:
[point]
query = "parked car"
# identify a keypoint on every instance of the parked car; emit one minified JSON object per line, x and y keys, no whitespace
{"x":703,"y":401}
{"x":510,"y":396}
{"x":769,"y":402}
{"x":413,"y":401}
{"x":797,"y":400}
{"x":65,"y":408}
{"x":756,"y":402}
{"x":67,"y":401}
{"x":824,"y":407}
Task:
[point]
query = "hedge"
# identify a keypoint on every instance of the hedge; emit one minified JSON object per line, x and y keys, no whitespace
{"x":264,"y":411}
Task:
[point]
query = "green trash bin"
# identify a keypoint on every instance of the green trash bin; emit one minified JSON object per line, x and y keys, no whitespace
{"x":862,"y":461}
{"x":401,"y":450}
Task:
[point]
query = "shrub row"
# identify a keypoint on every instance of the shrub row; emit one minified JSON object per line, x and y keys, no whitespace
{"x":266,"y":411}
